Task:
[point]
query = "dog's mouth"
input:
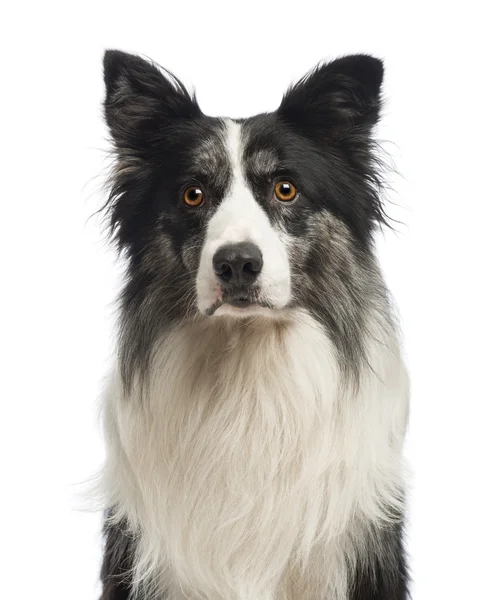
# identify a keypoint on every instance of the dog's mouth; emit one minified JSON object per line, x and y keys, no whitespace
{"x":240,"y":301}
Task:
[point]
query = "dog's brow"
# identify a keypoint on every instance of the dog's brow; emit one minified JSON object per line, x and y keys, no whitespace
{"x":210,"y":157}
{"x":262,"y":162}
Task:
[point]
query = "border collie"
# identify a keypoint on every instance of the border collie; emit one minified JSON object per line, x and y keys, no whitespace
{"x":256,"y":413}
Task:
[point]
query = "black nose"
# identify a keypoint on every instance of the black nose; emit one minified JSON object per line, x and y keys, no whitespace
{"x":237,"y":265}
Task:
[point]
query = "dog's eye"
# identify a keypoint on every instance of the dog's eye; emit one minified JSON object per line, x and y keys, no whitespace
{"x":193,"y":196}
{"x":285,"y":191}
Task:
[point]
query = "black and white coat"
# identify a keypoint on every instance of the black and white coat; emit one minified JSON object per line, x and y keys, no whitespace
{"x":253,"y":452}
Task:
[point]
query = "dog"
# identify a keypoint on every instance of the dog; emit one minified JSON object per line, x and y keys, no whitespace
{"x":255,"y":416}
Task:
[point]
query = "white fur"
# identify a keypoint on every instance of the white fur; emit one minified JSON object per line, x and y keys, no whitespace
{"x":245,"y":464}
{"x":241,"y":219}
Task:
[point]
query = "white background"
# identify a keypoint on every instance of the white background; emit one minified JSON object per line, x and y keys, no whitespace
{"x":59,"y":278}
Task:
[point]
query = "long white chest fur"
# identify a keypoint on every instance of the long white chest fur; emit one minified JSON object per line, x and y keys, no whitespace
{"x":247,"y":465}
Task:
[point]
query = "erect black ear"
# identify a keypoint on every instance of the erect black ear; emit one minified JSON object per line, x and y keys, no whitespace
{"x":141,"y":98}
{"x":336,"y":97}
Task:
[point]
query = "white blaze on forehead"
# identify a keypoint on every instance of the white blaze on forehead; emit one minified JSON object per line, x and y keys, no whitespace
{"x":240,"y":218}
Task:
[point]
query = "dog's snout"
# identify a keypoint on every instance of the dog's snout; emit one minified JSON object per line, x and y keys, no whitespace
{"x":237,"y":265}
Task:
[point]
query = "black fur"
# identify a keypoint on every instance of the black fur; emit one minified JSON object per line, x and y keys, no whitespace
{"x":117,"y":563}
{"x":383,"y":576}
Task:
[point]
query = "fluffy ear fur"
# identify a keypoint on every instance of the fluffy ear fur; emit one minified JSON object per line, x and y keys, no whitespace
{"x":140,"y":98}
{"x":341,"y":96}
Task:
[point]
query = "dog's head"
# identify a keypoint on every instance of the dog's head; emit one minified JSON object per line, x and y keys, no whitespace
{"x":234,"y":218}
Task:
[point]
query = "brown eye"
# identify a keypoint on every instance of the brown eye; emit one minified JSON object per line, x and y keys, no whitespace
{"x":193,"y":196}
{"x":285,"y":191}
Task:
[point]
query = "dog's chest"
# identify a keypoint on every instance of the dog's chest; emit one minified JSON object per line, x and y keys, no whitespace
{"x":246,"y":455}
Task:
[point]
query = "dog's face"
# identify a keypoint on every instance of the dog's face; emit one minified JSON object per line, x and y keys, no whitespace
{"x":238,"y":218}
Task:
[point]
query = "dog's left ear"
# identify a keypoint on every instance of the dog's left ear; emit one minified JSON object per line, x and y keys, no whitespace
{"x":339,"y":97}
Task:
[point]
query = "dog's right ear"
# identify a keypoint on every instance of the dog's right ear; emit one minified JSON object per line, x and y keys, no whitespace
{"x":141,"y":99}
